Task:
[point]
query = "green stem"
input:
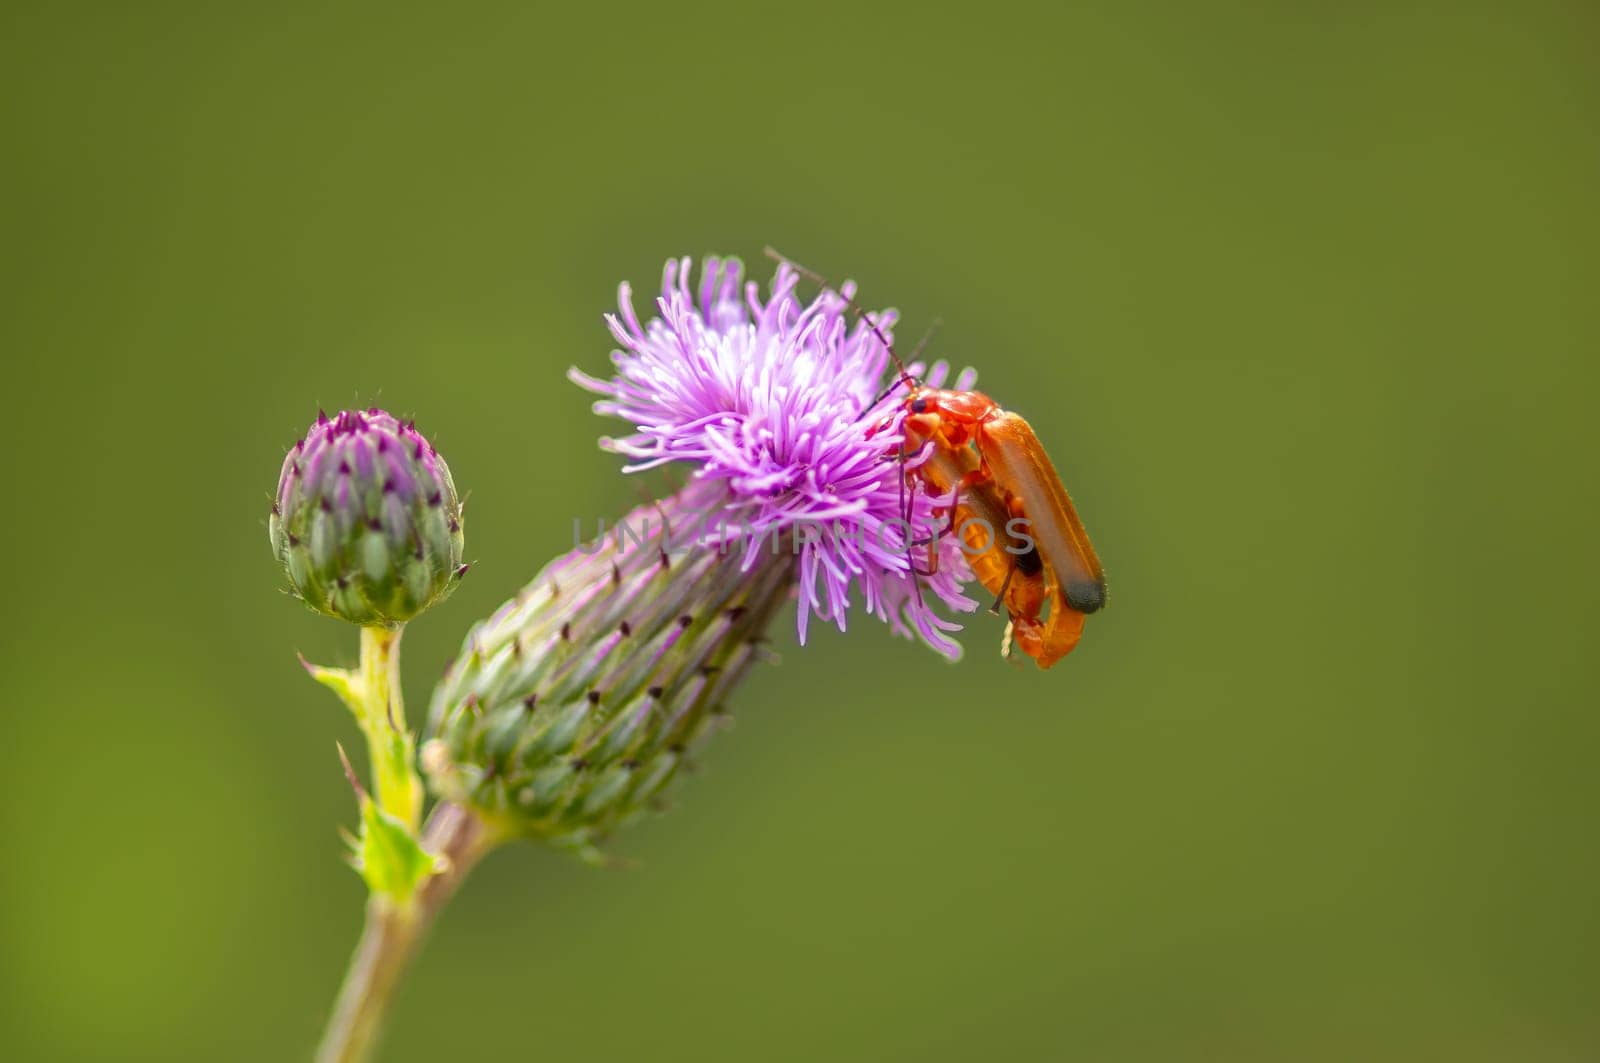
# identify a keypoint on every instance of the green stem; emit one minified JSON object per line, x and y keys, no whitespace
{"x":396,"y":786}
{"x":393,"y":931}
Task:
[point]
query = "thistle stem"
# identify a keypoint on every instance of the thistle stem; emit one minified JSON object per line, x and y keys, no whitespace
{"x":396,"y":786}
{"x":392,"y":933}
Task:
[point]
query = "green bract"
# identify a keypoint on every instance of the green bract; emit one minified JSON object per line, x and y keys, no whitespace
{"x":366,"y":523}
{"x":570,"y":709}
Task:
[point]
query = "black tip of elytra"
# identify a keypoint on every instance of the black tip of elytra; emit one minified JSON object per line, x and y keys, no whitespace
{"x":1086,"y":595}
{"x":656,"y":692}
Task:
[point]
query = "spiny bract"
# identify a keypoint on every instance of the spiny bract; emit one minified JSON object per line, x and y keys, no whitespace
{"x":574,"y":705}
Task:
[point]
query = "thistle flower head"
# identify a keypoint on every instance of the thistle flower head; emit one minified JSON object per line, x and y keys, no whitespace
{"x":569,"y":710}
{"x":778,"y":406}
{"x":366,"y":522}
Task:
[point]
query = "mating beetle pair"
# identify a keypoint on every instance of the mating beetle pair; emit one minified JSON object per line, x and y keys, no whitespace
{"x":993,"y":472}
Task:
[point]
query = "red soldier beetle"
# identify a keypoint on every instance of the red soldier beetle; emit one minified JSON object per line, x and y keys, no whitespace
{"x":1009,"y":478}
{"x":1001,"y":482}
{"x":1011,"y":569}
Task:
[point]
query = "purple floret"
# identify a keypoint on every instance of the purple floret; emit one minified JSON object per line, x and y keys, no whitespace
{"x":774,"y":402}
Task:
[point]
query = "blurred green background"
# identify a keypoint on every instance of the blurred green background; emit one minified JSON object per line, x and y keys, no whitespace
{"x":1301,"y":297}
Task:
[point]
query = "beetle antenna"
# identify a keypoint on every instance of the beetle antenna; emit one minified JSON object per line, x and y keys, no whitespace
{"x":934,"y":326}
{"x":916,"y":353}
{"x":817,"y":278}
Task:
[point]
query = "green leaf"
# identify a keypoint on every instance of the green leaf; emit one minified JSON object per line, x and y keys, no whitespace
{"x":389,"y":857}
{"x":346,"y":684}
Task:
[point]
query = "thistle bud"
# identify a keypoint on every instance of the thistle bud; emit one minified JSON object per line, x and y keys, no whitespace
{"x":366,"y":523}
{"x":571,"y":708}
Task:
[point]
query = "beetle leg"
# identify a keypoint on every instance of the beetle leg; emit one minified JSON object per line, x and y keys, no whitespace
{"x":948,"y":507}
{"x":976,"y":478}
{"x":907,"y":500}
{"x":1005,"y":585}
{"x":932,"y":542}
{"x":1024,"y":634}
{"x":1059,"y":635}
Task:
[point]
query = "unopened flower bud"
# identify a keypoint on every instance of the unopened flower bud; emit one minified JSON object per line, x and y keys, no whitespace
{"x":366,"y":523}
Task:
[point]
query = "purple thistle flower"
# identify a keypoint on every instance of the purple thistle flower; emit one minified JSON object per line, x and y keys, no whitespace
{"x":772,"y":405}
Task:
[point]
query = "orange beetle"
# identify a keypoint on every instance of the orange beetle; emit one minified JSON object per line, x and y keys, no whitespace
{"x":995,"y":470}
{"x":992,"y":461}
